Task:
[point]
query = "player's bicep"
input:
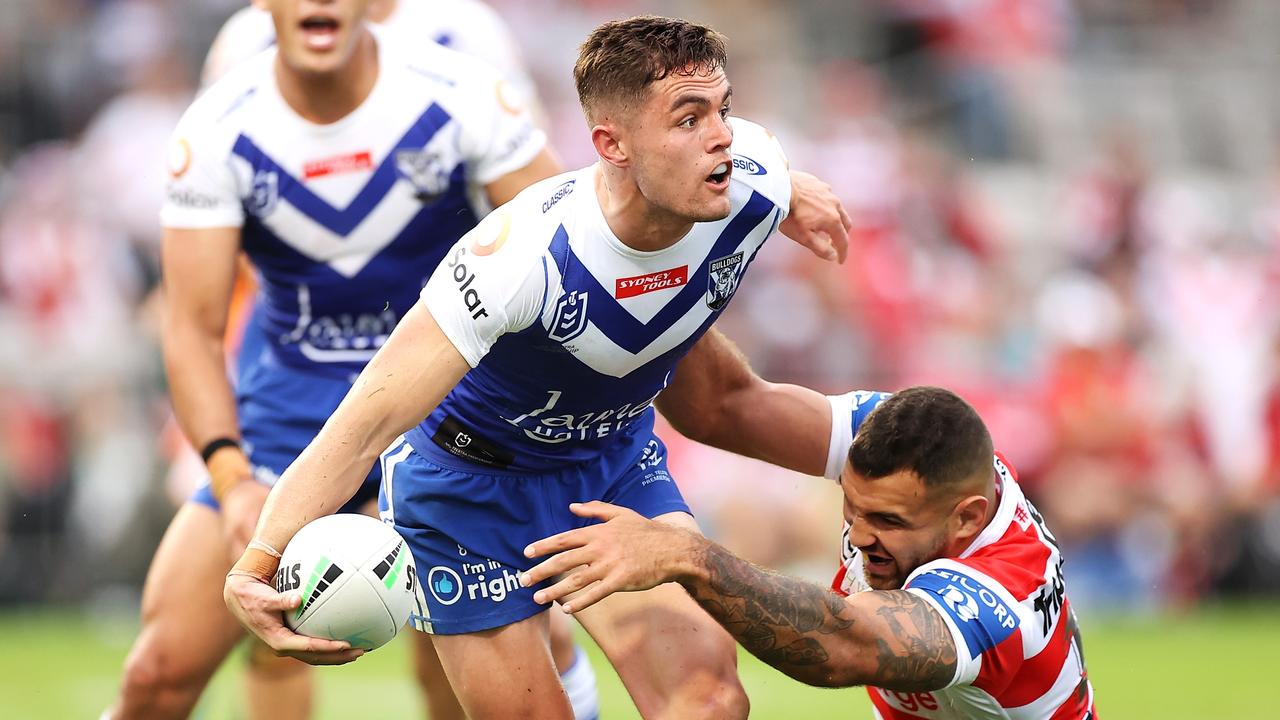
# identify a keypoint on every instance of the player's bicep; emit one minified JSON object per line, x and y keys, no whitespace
{"x":543,"y":165}
{"x":906,"y":645}
{"x":703,"y":385}
{"x":199,"y":268}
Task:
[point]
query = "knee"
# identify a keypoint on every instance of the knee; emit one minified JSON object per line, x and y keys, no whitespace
{"x":155,"y":685}
{"x":719,"y":695}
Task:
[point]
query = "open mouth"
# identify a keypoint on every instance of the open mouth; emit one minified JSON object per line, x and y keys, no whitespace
{"x":877,"y":564}
{"x":320,"y":32}
{"x":719,"y":177}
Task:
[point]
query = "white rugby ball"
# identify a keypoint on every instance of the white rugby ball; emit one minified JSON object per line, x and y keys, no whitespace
{"x":356,"y":576}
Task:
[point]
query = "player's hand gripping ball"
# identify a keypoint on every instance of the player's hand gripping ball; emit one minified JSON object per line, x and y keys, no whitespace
{"x":357,"y":580}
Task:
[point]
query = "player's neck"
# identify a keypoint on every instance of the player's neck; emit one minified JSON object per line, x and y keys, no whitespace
{"x":324,"y":98}
{"x":635,"y":221}
{"x":380,"y":10}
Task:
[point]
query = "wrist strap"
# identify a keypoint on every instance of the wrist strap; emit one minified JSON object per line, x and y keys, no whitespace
{"x":259,"y":545}
{"x":215,"y":445}
{"x":257,"y":564}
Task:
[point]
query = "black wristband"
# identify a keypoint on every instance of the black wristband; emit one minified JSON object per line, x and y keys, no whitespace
{"x":215,"y":445}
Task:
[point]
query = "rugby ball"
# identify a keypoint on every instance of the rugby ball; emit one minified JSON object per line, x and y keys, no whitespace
{"x":356,"y":577}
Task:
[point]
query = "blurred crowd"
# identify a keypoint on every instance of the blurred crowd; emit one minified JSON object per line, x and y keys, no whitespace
{"x":1066,"y":210}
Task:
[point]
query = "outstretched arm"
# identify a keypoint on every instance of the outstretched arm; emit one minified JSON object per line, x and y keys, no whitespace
{"x":817,"y":219}
{"x":717,"y":399}
{"x":403,"y":382}
{"x":890,"y":639}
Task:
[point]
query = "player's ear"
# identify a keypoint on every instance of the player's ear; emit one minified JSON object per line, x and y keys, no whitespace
{"x":608,"y":143}
{"x":969,"y":517}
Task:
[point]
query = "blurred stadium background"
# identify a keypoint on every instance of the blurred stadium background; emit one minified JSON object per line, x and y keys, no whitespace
{"x":1066,"y":210}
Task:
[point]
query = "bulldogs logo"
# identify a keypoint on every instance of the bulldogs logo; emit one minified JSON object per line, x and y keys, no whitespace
{"x":722,"y":280}
{"x":425,"y":171}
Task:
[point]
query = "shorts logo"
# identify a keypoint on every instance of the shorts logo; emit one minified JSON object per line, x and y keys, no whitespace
{"x":652,"y":282}
{"x":722,"y":280}
{"x":445,"y":584}
{"x":571,"y":317}
{"x":266,"y":192}
{"x":425,"y":171}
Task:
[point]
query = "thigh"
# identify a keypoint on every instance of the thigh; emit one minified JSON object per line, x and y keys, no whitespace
{"x":185,"y":623}
{"x":670,"y":655}
{"x":505,"y":672}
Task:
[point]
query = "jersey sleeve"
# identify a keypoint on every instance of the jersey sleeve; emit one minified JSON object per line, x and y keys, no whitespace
{"x":488,"y":285}
{"x":479,"y":31}
{"x":758,"y":161}
{"x":246,"y":33}
{"x":977,"y":610}
{"x":848,"y":411}
{"x":201,"y":190}
{"x":499,"y":133}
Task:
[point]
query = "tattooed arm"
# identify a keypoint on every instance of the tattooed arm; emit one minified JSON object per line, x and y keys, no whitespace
{"x":890,"y":639}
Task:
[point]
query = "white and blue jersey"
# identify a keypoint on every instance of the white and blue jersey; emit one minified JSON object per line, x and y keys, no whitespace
{"x":344,"y":222}
{"x":570,"y":335}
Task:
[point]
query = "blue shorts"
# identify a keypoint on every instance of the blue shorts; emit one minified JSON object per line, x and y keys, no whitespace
{"x":468,"y":525}
{"x":281,"y":410}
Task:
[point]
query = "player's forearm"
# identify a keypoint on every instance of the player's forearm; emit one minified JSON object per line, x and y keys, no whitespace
{"x":890,"y":639}
{"x":782,"y":424}
{"x":797,"y":627}
{"x":203,"y":400}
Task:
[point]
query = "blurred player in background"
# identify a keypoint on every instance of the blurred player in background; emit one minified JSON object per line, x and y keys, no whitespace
{"x":344,"y":168}
{"x":468,"y":26}
{"x":950,"y":602}
{"x":537,"y":351}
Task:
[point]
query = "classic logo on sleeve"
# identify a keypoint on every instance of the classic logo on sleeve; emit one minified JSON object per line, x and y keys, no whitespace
{"x":742,"y":163}
{"x":722,"y":279}
{"x":982,"y":617}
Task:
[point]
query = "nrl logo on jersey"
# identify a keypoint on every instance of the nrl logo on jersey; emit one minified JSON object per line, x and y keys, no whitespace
{"x":571,"y":317}
{"x":265,"y":193}
{"x":722,"y":279}
{"x":425,"y":171}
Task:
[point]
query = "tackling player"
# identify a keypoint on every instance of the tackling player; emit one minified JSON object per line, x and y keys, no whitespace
{"x":344,"y":170}
{"x":536,"y":353}
{"x":950,"y":603}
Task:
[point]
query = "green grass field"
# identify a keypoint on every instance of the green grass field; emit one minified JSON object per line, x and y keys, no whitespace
{"x":1216,"y":663}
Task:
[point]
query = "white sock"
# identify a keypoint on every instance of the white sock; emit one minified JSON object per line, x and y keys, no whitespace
{"x":580,"y":685}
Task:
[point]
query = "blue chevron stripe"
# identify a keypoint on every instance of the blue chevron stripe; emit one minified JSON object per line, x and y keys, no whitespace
{"x":622,"y":327}
{"x":342,"y":222}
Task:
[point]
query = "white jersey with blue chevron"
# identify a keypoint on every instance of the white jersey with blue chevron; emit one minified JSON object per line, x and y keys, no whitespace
{"x":570,"y":333}
{"x":346,"y":221}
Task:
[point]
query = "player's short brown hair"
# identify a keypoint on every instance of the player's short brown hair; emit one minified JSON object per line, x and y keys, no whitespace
{"x":928,"y":430}
{"x":621,"y":58}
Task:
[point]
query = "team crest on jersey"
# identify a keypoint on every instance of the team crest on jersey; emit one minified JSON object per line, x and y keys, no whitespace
{"x":570,"y":318}
{"x":265,"y":193}
{"x":722,"y":279}
{"x":425,"y":170}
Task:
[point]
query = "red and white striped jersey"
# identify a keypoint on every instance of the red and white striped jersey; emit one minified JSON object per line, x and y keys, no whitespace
{"x":1004,"y":600}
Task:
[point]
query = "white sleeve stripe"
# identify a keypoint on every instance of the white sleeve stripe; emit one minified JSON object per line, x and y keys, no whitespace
{"x":967,"y":668}
{"x":841,"y":434}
